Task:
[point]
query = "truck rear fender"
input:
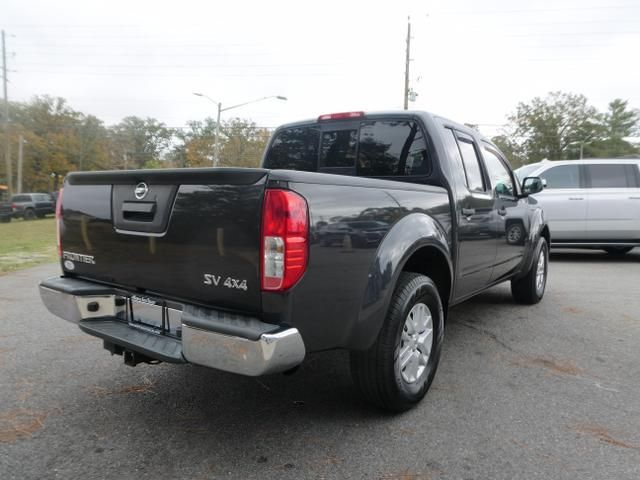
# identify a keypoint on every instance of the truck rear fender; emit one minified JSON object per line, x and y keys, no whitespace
{"x":412,"y":241}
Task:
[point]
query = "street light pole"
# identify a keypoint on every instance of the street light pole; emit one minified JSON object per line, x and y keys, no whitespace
{"x":216,"y":146}
{"x":216,"y":134}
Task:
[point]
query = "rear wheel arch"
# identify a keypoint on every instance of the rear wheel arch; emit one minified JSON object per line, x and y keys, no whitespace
{"x":397,"y":253}
{"x":432,"y":262}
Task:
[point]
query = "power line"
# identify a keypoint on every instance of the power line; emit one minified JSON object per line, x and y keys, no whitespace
{"x":199,"y":65}
{"x":542,"y":10}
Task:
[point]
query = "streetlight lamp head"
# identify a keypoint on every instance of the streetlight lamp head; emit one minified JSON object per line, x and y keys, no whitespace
{"x":280,"y":97}
{"x":198,"y":94}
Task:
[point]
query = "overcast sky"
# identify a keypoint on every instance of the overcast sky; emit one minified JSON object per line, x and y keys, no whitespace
{"x":472,"y":60}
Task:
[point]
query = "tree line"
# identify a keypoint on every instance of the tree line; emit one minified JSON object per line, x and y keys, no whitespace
{"x":58,"y":139}
{"x":564,"y":126}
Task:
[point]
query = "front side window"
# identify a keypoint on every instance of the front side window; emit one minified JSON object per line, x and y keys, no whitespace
{"x":338,"y":148}
{"x":392,"y":148}
{"x":498,"y":174}
{"x":562,"y":176}
{"x":611,"y":176}
{"x":471,"y":164}
{"x":294,"y":149}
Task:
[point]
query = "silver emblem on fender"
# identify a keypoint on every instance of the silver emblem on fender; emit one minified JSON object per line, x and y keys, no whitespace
{"x":141,"y":190}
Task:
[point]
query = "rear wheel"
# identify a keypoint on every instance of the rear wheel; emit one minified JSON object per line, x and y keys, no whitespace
{"x":530,"y":288}
{"x":617,"y":250}
{"x":397,"y":371}
{"x":29,"y":214}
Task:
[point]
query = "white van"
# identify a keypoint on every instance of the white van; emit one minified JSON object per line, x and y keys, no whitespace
{"x":590,"y":203}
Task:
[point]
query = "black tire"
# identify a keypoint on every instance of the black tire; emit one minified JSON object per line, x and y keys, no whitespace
{"x":617,"y":250}
{"x":376,"y":372}
{"x":526,"y":289}
{"x":29,"y":214}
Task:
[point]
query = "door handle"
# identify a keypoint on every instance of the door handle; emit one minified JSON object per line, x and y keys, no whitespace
{"x":502,"y":211}
{"x":467,"y":212}
{"x":634,"y":198}
{"x":576,"y":198}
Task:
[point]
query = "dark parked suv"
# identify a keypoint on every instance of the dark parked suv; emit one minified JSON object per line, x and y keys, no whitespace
{"x":32,"y":205}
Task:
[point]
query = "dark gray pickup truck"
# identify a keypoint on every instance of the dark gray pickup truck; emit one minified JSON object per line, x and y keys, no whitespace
{"x":359,"y":232}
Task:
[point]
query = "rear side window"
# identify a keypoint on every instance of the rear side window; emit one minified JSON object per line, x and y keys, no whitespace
{"x":338,"y":148}
{"x":21,"y":198}
{"x":612,"y":176}
{"x":392,"y":148}
{"x":294,"y":149}
{"x":562,"y":176}
{"x":471,"y":164}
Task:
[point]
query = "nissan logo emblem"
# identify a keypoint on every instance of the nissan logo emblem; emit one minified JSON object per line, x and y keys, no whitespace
{"x":141,"y":190}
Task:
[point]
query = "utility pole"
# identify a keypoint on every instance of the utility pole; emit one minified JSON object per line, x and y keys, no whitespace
{"x":406,"y":65}
{"x":7,"y":152}
{"x":216,"y":138}
{"x":19,"y":179}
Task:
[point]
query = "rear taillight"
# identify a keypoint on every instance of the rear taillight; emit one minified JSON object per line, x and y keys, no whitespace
{"x":285,"y":239}
{"x":58,"y":221}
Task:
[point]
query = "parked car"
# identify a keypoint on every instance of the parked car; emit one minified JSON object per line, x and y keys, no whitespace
{"x":590,"y":203}
{"x":32,"y":205}
{"x":227,"y":267}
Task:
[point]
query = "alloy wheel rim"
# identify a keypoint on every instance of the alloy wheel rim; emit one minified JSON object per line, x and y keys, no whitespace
{"x":540,"y":272}
{"x":416,"y":343}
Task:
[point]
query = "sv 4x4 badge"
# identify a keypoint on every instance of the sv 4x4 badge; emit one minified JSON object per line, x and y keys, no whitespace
{"x":214,"y":280}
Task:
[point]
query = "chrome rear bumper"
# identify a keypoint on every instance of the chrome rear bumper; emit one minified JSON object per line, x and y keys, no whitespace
{"x":210,"y":338}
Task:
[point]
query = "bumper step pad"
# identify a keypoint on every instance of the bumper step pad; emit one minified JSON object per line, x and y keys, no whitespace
{"x":160,"y":347}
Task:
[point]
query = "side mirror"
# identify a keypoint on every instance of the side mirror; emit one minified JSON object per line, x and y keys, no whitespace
{"x":531,"y":185}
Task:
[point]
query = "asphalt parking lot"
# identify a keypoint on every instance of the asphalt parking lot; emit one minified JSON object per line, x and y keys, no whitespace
{"x":549,"y":391}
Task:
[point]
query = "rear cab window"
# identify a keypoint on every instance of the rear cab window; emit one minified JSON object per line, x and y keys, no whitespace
{"x":294,"y":148}
{"x":392,"y":148}
{"x":338,"y":148}
{"x":385,"y":147}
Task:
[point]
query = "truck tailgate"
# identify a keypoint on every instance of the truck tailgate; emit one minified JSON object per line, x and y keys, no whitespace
{"x":191,"y":234}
